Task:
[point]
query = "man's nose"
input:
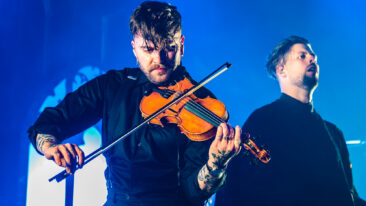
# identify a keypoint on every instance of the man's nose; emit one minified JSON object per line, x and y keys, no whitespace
{"x":158,"y":56}
{"x":312,"y":58}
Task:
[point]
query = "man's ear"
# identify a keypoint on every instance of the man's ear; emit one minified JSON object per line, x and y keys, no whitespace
{"x":182,"y":45}
{"x":280,"y":71}
{"x":133,"y":47}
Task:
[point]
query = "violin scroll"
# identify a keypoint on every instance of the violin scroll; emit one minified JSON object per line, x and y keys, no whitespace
{"x":259,"y":153}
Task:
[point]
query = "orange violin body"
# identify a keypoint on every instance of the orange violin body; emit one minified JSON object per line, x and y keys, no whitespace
{"x":193,"y":125}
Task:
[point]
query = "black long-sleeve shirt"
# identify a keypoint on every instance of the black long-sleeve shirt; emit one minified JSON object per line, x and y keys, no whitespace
{"x":310,"y":162}
{"x":153,"y":166}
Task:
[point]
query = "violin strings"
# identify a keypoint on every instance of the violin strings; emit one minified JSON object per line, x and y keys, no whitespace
{"x":204,"y":113}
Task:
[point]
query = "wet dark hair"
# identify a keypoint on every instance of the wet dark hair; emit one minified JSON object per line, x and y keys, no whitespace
{"x":278,"y":55}
{"x":157,"y":22}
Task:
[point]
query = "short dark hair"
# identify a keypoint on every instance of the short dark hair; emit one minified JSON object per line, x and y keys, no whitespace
{"x":156,"y":21}
{"x":278,"y":54}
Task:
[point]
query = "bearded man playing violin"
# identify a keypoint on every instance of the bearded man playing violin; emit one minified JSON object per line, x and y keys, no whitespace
{"x":155,"y":165}
{"x":310,"y":162}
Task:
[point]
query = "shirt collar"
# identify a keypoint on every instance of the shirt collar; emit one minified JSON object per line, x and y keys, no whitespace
{"x":296,"y":104}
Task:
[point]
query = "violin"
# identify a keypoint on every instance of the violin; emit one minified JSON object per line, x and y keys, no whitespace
{"x":197,"y":118}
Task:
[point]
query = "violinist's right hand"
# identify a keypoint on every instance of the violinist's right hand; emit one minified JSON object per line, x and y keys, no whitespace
{"x":64,"y":155}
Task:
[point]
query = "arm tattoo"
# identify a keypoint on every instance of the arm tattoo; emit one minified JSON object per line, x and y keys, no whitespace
{"x":43,"y":138}
{"x":201,"y":173}
{"x":220,"y":159}
{"x":208,"y":182}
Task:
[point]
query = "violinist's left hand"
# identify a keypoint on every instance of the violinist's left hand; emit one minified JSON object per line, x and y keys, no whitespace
{"x":225,"y":146}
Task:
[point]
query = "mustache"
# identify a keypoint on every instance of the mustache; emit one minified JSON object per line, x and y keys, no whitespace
{"x":156,"y":66}
{"x":312,"y":65}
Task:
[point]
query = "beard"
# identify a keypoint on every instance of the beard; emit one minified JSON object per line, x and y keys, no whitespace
{"x":310,"y":82}
{"x":159,"y":77}
{"x":155,"y":76}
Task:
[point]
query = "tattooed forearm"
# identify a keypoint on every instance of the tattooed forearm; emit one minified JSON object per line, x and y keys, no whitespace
{"x":211,"y":174}
{"x":44,"y":138}
{"x":207,"y":181}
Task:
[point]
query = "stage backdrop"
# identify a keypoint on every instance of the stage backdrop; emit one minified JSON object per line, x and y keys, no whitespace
{"x":49,"y":48}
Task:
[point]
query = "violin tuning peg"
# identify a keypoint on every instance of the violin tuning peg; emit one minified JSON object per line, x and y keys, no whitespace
{"x":248,"y":136}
